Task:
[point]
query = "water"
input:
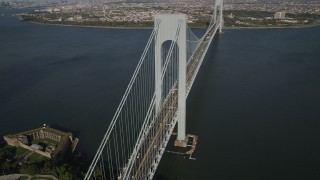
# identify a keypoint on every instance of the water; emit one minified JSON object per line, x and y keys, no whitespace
{"x":254,"y":105}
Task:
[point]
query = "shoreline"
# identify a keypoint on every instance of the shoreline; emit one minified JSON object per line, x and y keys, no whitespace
{"x":137,"y":28}
{"x":74,"y":25}
{"x":276,"y":27}
{"x":103,"y":27}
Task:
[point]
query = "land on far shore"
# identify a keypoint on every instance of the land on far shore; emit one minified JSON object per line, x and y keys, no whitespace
{"x":231,"y":21}
{"x":264,"y":19}
{"x":141,"y":15}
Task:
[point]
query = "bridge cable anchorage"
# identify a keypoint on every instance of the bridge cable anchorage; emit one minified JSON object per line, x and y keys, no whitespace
{"x":138,"y":134}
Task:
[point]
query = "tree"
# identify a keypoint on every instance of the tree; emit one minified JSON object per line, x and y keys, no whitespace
{"x":2,"y":156}
{"x":47,"y":168}
{"x":66,"y":176}
{"x":29,"y":169}
{"x":5,"y":165}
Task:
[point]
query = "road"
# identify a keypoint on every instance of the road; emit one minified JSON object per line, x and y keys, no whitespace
{"x":153,"y":139}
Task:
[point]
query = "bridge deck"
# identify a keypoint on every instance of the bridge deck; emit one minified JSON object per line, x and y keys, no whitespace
{"x":153,"y":141}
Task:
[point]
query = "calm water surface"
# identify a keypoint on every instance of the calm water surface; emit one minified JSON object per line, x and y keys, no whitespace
{"x":255,"y":104}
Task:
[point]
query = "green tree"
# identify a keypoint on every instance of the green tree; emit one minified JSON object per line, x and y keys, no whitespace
{"x":2,"y":156}
{"x":66,"y":176}
{"x":31,"y":169}
{"x":5,"y":165}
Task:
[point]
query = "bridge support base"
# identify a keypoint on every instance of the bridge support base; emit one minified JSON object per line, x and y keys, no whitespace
{"x":180,"y":143}
{"x":186,"y":148}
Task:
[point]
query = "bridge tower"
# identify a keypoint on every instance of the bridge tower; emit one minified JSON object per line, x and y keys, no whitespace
{"x":218,"y":12}
{"x":221,"y":16}
{"x":173,"y":27}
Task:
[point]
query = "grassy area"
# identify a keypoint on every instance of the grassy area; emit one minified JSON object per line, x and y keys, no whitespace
{"x":42,"y":178}
{"x":35,"y":158}
{"x":13,"y":151}
{"x":45,"y":141}
{"x":23,"y":178}
{"x":5,"y":147}
{"x":20,"y":151}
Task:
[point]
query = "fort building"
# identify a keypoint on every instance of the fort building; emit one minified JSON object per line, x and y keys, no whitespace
{"x":46,"y":141}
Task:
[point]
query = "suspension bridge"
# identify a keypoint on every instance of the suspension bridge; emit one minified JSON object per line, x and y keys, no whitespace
{"x":155,"y":100}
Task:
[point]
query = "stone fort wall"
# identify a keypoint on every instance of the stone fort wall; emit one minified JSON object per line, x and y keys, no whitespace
{"x":45,"y":134}
{"x":16,"y":143}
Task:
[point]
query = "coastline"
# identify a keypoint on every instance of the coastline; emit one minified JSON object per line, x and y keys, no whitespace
{"x":103,"y":27}
{"x":137,"y":28}
{"x":275,"y":27}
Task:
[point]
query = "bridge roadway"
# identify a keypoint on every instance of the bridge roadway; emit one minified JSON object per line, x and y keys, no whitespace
{"x":154,"y":137}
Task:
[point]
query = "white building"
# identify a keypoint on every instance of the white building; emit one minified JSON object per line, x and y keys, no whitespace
{"x":279,"y":15}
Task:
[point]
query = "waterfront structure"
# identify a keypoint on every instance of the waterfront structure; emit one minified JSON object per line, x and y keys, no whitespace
{"x":155,"y":99}
{"x":51,"y":143}
{"x":279,"y":15}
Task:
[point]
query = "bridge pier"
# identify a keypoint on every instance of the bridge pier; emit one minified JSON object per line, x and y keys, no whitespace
{"x":221,"y":17}
{"x":181,"y":143}
{"x":167,"y":31}
{"x":218,"y":12}
{"x":182,"y":99}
